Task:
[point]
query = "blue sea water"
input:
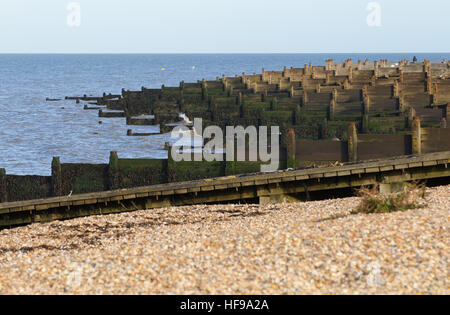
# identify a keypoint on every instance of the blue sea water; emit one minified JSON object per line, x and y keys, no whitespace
{"x":32,"y":131}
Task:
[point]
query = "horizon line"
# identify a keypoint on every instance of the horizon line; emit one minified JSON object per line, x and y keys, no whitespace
{"x":213,"y":53}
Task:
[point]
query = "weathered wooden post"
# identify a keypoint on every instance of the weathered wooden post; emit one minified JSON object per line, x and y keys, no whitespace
{"x":279,"y":84}
{"x":435,"y":95}
{"x":291,"y":149}
{"x":242,"y":111}
{"x":427,"y":67}
{"x":364,"y":92}
{"x":239,"y":99}
{"x":352,"y":143}
{"x":306,"y":70}
{"x":297,"y":115}
{"x":318,"y":88}
{"x":305,"y":98}
{"x":411,"y":115}
{"x":263,"y":96}
{"x":416,"y":137}
{"x":273,"y":104}
{"x":346,"y":84}
{"x":366,"y":103}
{"x":401,"y":103}
{"x":365,"y":123}
{"x":331,"y":109}
{"x":334,"y":95}
{"x":323,"y":129}
{"x":373,"y":80}
{"x":443,"y":123}
{"x":204,"y":92}
{"x":181,"y":103}
{"x":360,"y":65}
{"x":327,"y":78}
{"x":291,"y":93}
{"x":429,"y":85}
{"x":3,"y":191}
{"x":113,"y":171}
{"x":313,"y":73}
{"x":230,"y":91}
{"x":56,"y":177}
{"x":401,"y":77}
{"x":396,"y":89}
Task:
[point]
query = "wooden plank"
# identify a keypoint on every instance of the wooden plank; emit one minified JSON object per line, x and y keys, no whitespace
{"x":41,"y":207}
{"x":415,"y":164}
{"x":220,"y":187}
{"x":288,"y":179}
{"x":90,"y":201}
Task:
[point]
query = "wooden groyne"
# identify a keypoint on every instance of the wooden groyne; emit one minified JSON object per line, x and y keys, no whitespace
{"x":266,"y":187}
{"x":331,"y":114}
{"x":318,"y":102}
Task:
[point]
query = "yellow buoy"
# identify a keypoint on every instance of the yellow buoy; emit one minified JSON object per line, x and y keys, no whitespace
{"x":162,"y":69}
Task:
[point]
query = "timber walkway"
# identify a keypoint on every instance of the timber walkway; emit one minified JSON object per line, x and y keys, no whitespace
{"x":267,"y":187}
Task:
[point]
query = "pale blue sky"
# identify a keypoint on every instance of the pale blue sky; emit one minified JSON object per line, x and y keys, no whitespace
{"x":226,"y":26}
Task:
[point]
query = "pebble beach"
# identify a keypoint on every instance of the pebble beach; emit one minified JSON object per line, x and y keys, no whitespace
{"x":302,"y":248}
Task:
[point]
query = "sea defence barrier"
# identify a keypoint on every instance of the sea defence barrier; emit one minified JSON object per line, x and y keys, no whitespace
{"x":331,"y":114}
{"x":318,"y":102}
{"x":264,"y":188}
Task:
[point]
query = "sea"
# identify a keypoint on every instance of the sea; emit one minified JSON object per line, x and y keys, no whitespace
{"x":33,"y":130}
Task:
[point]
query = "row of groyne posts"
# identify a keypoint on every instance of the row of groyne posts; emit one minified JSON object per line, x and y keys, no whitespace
{"x":101,"y":104}
{"x":432,"y":88}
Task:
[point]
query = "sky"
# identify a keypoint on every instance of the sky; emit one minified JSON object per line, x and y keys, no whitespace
{"x":224,"y":26}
